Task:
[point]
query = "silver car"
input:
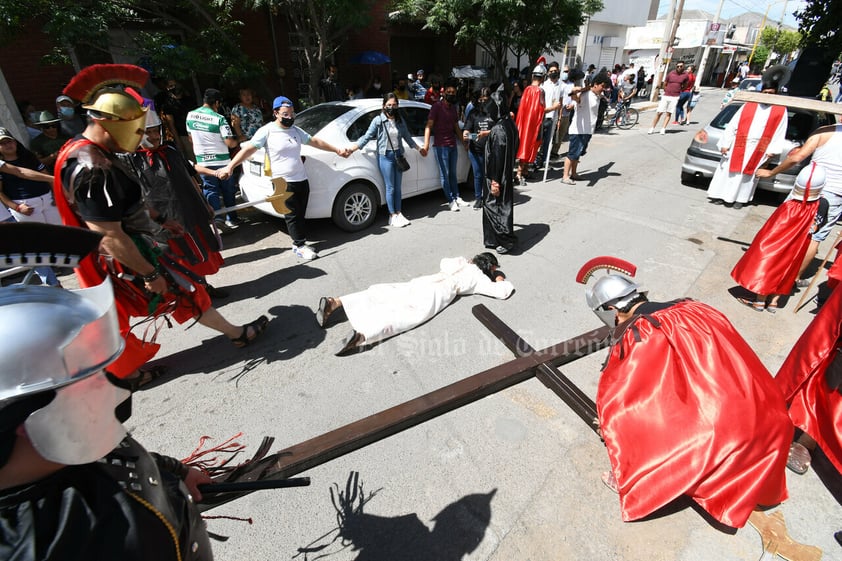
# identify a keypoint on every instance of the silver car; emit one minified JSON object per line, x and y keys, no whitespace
{"x":703,"y":156}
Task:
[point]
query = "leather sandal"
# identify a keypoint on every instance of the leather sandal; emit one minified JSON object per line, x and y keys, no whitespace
{"x":753,"y":304}
{"x":257,"y":327}
{"x":323,"y":312}
{"x":144,"y":377}
{"x":799,"y":458}
{"x":351,"y":342}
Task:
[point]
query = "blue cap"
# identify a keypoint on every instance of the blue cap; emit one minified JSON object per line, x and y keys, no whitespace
{"x":420,"y":71}
{"x":281,"y":101}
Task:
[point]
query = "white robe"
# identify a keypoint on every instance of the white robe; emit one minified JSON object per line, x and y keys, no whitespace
{"x":384,"y":310}
{"x":734,"y":186}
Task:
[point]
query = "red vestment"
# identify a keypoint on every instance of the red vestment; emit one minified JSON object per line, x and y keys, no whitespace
{"x":813,"y":406}
{"x":776,"y":115}
{"x":530,"y":117}
{"x":770,"y":265}
{"x":687,"y":408}
{"x":130,"y":299}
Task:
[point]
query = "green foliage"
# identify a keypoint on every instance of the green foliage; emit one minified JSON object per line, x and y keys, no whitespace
{"x":498,"y":26}
{"x":780,"y":41}
{"x":819,"y":26}
{"x":761,"y":55}
{"x":175,"y":38}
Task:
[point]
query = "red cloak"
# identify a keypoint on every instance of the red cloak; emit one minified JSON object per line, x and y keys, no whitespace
{"x":530,"y":117}
{"x":687,"y":408}
{"x":813,"y":406}
{"x":770,"y":264}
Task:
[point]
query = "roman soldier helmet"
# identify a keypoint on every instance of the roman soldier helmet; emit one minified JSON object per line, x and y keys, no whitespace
{"x":611,"y":290}
{"x":540,"y":67}
{"x":110,"y":93}
{"x":152,"y":121}
{"x":809,"y":183}
{"x":54,"y":345}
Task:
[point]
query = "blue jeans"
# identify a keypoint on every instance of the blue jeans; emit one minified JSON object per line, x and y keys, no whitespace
{"x":446,"y":157}
{"x":218,"y":192}
{"x":392,"y":177}
{"x":478,"y":163}
{"x":683,"y":99}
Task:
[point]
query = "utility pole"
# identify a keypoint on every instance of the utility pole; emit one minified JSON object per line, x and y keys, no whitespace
{"x":757,"y":37}
{"x":673,"y":21}
{"x":700,"y":74}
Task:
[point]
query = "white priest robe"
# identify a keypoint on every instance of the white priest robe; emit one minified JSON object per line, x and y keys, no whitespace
{"x":384,"y":310}
{"x":735,"y":186}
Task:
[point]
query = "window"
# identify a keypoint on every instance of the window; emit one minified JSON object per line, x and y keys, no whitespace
{"x":416,"y":119}
{"x":316,"y":118}
{"x":360,"y":126}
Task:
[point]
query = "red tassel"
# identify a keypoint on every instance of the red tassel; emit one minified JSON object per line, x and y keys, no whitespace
{"x":541,"y":60}
{"x":86,"y":83}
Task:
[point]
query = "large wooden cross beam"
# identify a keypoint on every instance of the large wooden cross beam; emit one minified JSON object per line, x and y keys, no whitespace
{"x":787,"y":101}
{"x":358,"y":434}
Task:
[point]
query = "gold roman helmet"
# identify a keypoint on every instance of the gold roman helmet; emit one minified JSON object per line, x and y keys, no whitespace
{"x":109,"y":93}
{"x":121,"y":115}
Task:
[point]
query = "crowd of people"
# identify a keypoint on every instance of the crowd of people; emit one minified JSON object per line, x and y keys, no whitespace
{"x":124,"y":176}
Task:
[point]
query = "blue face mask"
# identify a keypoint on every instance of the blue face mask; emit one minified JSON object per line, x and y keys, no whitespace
{"x":564,"y":76}
{"x":66,"y":111}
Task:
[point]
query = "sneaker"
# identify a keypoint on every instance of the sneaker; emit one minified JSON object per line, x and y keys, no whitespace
{"x":404,"y":221}
{"x":651,"y":131}
{"x":454,"y":206}
{"x":477,"y":204}
{"x":522,"y":182}
{"x":675,"y":122}
{"x":664,"y":131}
{"x":460,"y":202}
{"x":233,"y":223}
{"x":304,"y":252}
{"x":399,"y":221}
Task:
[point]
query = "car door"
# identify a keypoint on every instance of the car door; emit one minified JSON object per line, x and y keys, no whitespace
{"x":426,"y":175}
{"x":369,"y":152}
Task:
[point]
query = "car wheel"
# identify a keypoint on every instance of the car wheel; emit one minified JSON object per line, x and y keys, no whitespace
{"x":688,"y":179}
{"x":355,"y":207}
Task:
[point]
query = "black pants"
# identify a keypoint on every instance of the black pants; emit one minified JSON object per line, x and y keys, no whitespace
{"x":297,"y":205}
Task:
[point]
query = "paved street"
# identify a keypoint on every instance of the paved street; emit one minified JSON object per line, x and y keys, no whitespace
{"x":513,"y":477}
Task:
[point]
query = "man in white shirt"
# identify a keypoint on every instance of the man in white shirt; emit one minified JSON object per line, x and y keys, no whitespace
{"x":282,"y":142}
{"x":553,"y":90}
{"x":212,"y":137}
{"x":583,"y":124}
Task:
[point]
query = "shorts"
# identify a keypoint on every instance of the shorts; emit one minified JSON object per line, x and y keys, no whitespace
{"x":834,"y":211}
{"x":667,"y":104}
{"x":578,"y":146}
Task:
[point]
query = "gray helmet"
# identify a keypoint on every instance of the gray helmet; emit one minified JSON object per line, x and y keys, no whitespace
{"x":810,"y":180}
{"x":611,"y":290}
{"x":58,"y":340}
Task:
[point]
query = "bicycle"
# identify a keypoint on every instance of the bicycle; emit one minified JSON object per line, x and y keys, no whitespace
{"x":624,"y":117}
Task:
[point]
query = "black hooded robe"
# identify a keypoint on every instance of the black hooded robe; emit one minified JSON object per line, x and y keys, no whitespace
{"x":500,"y":151}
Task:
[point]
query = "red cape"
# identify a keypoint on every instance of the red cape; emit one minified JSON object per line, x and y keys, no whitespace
{"x":530,"y":116}
{"x":771,"y":263}
{"x":687,"y":408}
{"x":813,"y":406}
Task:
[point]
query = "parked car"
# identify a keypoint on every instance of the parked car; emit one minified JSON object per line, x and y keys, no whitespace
{"x":350,"y":190}
{"x":703,"y":156}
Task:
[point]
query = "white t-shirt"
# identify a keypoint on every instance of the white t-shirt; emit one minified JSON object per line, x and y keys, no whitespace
{"x":584,"y":120}
{"x":208,"y":130}
{"x":552,"y":94}
{"x":284,"y":149}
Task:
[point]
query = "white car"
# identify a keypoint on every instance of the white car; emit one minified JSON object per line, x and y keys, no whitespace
{"x":350,"y":190}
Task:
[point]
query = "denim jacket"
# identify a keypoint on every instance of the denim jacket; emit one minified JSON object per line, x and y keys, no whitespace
{"x":377,"y":129}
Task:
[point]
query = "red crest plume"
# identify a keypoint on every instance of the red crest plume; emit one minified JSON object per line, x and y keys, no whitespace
{"x":86,"y":83}
{"x":605,"y":262}
{"x":541,"y":60}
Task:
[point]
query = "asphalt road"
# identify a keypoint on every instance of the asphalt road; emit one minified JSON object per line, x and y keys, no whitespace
{"x":515,"y":476}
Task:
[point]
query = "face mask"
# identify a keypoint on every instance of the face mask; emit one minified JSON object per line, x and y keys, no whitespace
{"x":287,"y":121}
{"x":390,"y":111}
{"x":34,"y":116}
{"x":450,"y":98}
{"x":553,"y":75}
{"x":564,"y":76}
{"x":66,"y":111}
{"x":376,"y":85}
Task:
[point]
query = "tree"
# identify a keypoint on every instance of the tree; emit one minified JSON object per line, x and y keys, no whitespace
{"x":780,"y":41}
{"x":174,"y":38}
{"x":818,"y":25}
{"x":318,"y":28}
{"x":498,"y":26}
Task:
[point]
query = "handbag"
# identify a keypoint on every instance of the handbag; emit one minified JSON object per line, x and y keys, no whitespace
{"x":400,"y":159}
